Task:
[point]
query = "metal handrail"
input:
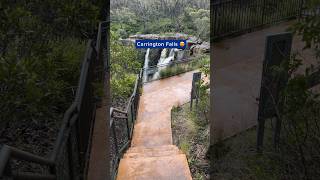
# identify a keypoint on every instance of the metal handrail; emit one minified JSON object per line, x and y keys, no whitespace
{"x":235,"y":17}
{"x":64,"y":126}
{"x":71,"y":123}
{"x":8,"y":152}
{"x":130,"y":113}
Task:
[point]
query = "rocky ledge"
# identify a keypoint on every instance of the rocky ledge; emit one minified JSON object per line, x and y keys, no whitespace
{"x":196,"y":44}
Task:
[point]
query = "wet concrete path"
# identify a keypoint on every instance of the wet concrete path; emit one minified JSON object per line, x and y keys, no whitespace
{"x":152,"y":154}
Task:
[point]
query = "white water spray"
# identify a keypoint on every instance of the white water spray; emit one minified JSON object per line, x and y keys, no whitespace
{"x":163,"y":61}
{"x":146,"y":65}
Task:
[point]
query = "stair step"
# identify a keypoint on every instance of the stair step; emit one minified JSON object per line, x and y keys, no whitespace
{"x":173,"y":167}
{"x":152,"y":153}
{"x":143,"y":149}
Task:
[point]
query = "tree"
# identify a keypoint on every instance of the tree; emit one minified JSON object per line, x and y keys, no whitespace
{"x":124,"y":67}
{"x":300,"y":131}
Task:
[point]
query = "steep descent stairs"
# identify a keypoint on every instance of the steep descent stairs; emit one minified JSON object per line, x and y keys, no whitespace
{"x":163,"y":162}
{"x":152,"y":154}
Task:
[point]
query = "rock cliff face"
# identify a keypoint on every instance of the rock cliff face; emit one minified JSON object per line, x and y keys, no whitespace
{"x":200,"y":48}
{"x":160,"y":36}
{"x":177,"y":36}
{"x":196,"y":45}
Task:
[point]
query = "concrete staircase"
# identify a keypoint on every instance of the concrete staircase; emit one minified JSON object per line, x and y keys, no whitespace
{"x":152,"y":156}
{"x":161,"y":163}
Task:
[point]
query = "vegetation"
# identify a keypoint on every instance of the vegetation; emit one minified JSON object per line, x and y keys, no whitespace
{"x":125,"y":65}
{"x":143,"y":16}
{"x":191,"y":130}
{"x":236,"y":157}
{"x":192,"y":138}
{"x":299,"y":145}
{"x":179,"y":68}
{"x":42,"y":45}
{"x":37,"y":87}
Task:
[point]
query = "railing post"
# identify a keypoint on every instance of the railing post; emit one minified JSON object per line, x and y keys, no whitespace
{"x":215,"y":20}
{"x":8,"y":169}
{"x":115,"y":139}
{"x":132,"y":115}
{"x":263,"y":12}
{"x":191,"y":99}
{"x":260,"y":134}
{"x":300,"y":8}
{"x":52,"y":170}
{"x":70,"y":157}
{"x":128,"y":128}
{"x":197,"y":99}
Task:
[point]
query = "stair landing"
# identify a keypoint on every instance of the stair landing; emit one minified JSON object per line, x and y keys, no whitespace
{"x":152,"y":154}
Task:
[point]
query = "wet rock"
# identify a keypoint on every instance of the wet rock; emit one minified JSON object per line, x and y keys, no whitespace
{"x":172,"y":36}
{"x":154,"y":56}
{"x":200,"y":48}
{"x":160,"y":36}
{"x":127,"y":42}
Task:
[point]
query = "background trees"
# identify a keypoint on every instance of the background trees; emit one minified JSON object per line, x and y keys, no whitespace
{"x":125,"y":64}
{"x":145,"y":16}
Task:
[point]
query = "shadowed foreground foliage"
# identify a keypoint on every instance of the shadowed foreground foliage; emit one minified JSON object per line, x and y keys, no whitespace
{"x":42,"y":45}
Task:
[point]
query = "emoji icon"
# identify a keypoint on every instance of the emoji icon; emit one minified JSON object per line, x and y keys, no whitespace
{"x":181,"y":44}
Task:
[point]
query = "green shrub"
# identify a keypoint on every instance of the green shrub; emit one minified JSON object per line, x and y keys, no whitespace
{"x":123,"y":88}
{"x":125,"y":64}
{"x":41,"y":85}
{"x":184,"y":67}
{"x":41,"y":48}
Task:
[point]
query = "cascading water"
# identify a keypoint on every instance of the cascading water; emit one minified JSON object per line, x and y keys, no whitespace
{"x":146,"y":65}
{"x":180,"y":54}
{"x":163,"y":61}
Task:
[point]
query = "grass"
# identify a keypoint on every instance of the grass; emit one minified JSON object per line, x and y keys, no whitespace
{"x":177,"y":69}
{"x":192,"y":139}
{"x":233,"y":158}
{"x":236,"y":158}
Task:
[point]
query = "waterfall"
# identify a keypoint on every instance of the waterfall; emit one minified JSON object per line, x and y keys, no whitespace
{"x":171,"y":53}
{"x":163,"y":61}
{"x":146,"y":65}
{"x":180,"y":55}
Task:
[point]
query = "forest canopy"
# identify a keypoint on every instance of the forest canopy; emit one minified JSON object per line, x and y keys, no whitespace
{"x":146,"y":16}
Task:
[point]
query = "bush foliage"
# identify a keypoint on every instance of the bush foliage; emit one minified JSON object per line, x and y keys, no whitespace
{"x":156,"y":17}
{"x":176,"y":69}
{"x":125,"y":65}
{"x":42,"y":45}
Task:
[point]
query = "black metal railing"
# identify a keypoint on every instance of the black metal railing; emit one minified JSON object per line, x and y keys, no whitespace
{"x":122,"y":125}
{"x":70,"y":155}
{"x":240,"y":16}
